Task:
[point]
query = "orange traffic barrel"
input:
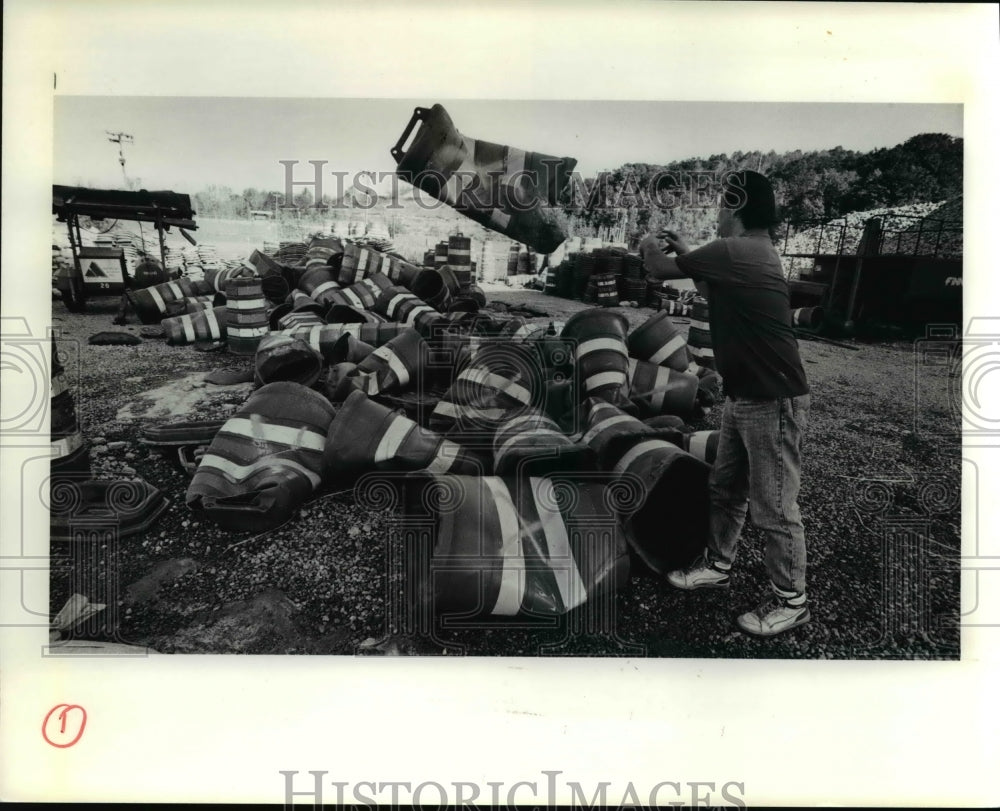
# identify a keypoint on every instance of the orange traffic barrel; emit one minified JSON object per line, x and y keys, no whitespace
{"x":441,"y":254}
{"x":544,"y":546}
{"x":401,"y":272}
{"x":246,"y":317}
{"x":363,"y":294}
{"x":700,"y":336}
{"x":195,"y":303}
{"x":809,"y":317}
{"x":265,"y":461}
{"x":460,"y":258}
{"x":398,"y":364}
{"x":280,"y":357}
{"x":703,"y":445}
{"x":606,"y":290}
{"x":666,"y":517}
{"x":293,"y":311}
{"x":346,"y":314}
{"x":658,"y":341}
{"x":660,"y":390}
{"x":323,"y":338}
{"x":436,"y":286}
{"x":399,"y":304}
{"x":219,"y":279}
{"x":153,"y":304}
{"x":299,"y":318}
{"x":358,"y":263}
{"x":533,"y":443}
{"x":601,"y":354}
{"x":512,"y":259}
{"x":70,"y":454}
{"x":318,"y":283}
{"x":203,"y":326}
{"x":349,"y":349}
{"x":367,"y":436}
{"x":440,"y":158}
{"x":501,"y":381}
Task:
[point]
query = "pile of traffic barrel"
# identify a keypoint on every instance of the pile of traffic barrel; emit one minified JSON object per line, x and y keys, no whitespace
{"x":606,"y":277}
{"x":533,"y":465}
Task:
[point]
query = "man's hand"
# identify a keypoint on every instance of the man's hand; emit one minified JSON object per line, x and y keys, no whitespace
{"x":673,"y":242}
{"x":654,"y":241}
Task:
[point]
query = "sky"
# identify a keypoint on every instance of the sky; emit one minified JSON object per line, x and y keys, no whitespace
{"x":188,"y":143}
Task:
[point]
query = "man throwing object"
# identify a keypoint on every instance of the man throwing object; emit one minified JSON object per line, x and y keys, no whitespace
{"x":766,"y":399}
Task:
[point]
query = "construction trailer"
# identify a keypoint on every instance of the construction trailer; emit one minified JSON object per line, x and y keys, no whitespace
{"x":97,"y":272}
{"x":904,"y":272}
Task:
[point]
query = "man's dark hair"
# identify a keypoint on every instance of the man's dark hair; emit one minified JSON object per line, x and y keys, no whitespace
{"x":750,"y":196}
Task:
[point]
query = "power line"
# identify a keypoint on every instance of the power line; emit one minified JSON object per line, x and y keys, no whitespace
{"x":121,"y":138}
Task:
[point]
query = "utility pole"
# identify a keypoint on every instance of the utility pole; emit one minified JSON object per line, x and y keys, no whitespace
{"x":121,"y":138}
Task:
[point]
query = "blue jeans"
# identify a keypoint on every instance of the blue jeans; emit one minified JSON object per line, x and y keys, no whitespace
{"x":757,"y":463}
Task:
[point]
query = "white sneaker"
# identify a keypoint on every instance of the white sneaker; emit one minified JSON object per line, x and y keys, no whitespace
{"x":699,"y":575}
{"x":773,"y":616}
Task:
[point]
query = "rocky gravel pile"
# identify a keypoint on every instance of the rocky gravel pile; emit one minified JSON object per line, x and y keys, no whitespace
{"x":333,"y":580}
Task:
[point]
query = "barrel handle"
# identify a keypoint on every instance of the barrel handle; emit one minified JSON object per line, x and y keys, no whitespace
{"x":419,"y":114}
{"x":189,"y":456}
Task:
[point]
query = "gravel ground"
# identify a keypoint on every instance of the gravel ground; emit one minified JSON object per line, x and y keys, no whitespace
{"x":879,"y":500}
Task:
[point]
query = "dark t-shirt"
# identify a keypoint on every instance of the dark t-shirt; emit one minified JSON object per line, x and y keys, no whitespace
{"x":755,"y":347}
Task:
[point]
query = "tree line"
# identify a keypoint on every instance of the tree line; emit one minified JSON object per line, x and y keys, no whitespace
{"x":813,"y":185}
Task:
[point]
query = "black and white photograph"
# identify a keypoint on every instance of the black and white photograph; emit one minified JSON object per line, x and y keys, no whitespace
{"x":534,"y":404}
{"x":473,"y":397}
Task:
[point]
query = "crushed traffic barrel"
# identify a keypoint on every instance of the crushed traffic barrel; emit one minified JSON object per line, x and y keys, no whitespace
{"x":359,"y":263}
{"x":668,"y":523}
{"x":702,"y":445}
{"x":265,"y":461}
{"x":152,"y":304}
{"x":658,"y":341}
{"x":500,"y":382}
{"x":533,"y":443}
{"x":363,"y":294}
{"x":601,"y":354}
{"x":401,"y":272}
{"x":367,"y":436}
{"x":440,"y":160}
{"x":349,"y":349}
{"x":323,"y":338}
{"x":491,"y":546}
{"x":436,"y":286}
{"x":281,"y":357}
{"x":346,"y":314}
{"x":319,"y":283}
{"x":220,"y":278}
{"x":298,"y":309}
{"x":203,"y":326}
{"x":399,"y":304}
{"x":397,"y":364}
{"x":661,"y":390}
